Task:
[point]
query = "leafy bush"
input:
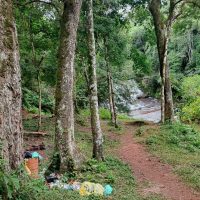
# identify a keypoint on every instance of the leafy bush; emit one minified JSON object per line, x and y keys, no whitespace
{"x":104,"y":113}
{"x":191,"y":111}
{"x":191,"y":87}
{"x":152,"y":140}
{"x":30,"y":101}
{"x":191,"y":95}
{"x":9,"y":183}
{"x":182,"y":136}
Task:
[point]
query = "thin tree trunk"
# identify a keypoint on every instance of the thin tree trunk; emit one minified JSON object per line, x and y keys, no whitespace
{"x":70,"y":157}
{"x":11,"y":135}
{"x":110,"y":97}
{"x":37,"y":65}
{"x":113,"y":100}
{"x":39,"y":101}
{"x":113,"y":113}
{"x":95,"y":120}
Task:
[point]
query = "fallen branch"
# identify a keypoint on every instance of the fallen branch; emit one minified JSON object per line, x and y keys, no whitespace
{"x":35,"y":133}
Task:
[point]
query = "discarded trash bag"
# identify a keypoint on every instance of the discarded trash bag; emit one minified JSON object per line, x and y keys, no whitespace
{"x":108,"y":190}
{"x":75,"y":186}
{"x":27,"y":155}
{"x":57,"y":183}
{"x":36,"y":155}
{"x":88,"y":188}
{"x":51,"y":179}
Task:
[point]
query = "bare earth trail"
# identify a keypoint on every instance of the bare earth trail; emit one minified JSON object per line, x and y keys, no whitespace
{"x":148,"y":169}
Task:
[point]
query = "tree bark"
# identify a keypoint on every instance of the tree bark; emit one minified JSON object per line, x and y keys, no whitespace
{"x":11,"y":135}
{"x":70,"y":157}
{"x":95,"y":119}
{"x":162,"y":30}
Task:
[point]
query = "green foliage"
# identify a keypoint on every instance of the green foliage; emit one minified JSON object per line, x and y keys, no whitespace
{"x":152,"y":140}
{"x":183,"y":136}
{"x":191,"y":111}
{"x":31,"y":98}
{"x":9,"y":181}
{"x":9,"y":184}
{"x":191,"y":94}
{"x":104,"y":114}
{"x":141,"y":63}
{"x":191,"y":87}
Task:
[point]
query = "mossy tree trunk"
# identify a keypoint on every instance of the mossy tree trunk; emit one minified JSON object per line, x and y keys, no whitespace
{"x":70,"y":157}
{"x":10,"y":89}
{"x":162,"y":30}
{"x":95,"y":119}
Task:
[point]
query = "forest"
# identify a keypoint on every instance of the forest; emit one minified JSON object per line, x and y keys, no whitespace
{"x":100,"y":99}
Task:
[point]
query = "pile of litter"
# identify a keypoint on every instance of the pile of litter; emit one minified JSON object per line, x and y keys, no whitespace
{"x":32,"y":159}
{"x":84,"y":189}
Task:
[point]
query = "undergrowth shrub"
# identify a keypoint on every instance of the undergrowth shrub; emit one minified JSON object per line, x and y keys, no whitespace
{"x":191,"y":98}
{"x":182,"y":136}
{"x":191,"y":111}
{"x":30,"y":101}
{"x":177,"y":135}
{"x":104,"y":113}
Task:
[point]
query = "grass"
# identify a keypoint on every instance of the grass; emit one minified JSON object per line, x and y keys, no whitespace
{"x":113,"y":171}
{"x":178,"y":145}
{"x":104,"y":114}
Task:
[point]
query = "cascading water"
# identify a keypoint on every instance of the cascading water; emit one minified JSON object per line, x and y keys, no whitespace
{"x":131,"y":99}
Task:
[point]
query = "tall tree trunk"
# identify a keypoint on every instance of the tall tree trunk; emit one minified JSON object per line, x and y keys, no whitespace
{"x":113,"y":113}
{"x":162,"y":30}
{"x":10,"y":89}
{"x":70,"y":157}
{"x":95,"y":120}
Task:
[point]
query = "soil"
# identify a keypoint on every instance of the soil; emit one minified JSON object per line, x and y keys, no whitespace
{"x":152,"y":176}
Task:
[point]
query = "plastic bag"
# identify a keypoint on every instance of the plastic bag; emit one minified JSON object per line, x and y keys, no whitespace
{"x":88,"y":188}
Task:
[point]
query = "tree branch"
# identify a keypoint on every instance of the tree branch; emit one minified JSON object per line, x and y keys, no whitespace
{"x":194,"y":3}
{"x":40,"y":1}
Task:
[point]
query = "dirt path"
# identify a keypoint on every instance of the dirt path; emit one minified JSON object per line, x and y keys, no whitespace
{"x":153,"y":177}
